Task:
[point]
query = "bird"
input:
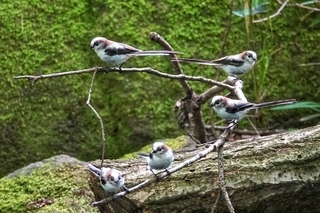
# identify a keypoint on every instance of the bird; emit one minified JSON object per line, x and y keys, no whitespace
{"x":111,"y":180}
{"x":116,"y":54}
{"x":161,"y":157}
{"x":234,"y":110}
{"x":233,"y":65}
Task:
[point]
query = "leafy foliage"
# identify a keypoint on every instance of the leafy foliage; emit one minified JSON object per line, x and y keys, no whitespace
{"x":314,"y":106}
{"x":40,"y":37}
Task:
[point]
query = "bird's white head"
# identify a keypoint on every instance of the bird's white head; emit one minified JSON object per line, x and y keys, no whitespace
{"x":159,"y":148}
{"x":218,"y":101}
{"x":250,"y":56}
{"x":111,"y":176}
{"x":98,"y":43}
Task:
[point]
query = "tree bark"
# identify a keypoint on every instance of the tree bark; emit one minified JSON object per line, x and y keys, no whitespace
{"x":277,"y":173}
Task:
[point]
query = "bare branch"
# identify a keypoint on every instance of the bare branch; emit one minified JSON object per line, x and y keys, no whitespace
{"x":273,"y":15}
{"x":306,"y":7}
{"x":103,"y":135}
{"x":215,"y":205}
{"x":34,"y":78}
{"x":302,"y":6}
{"x":199,"y":127}
{"x":309,"y":64}
{"x":222,"y":182}
{"x":238,"y":85}
{"x":237,"y":90}
{"x":162,"y":42}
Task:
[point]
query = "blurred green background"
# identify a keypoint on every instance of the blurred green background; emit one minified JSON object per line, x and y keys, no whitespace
{"x":50,"y":118}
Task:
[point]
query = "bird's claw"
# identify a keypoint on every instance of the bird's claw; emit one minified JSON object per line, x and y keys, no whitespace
{"x":126,"y":189}
{"x":169,"y":173}
{"x":232,"y":124}
{"x":107,"y":69}
{"x":155,"y":175}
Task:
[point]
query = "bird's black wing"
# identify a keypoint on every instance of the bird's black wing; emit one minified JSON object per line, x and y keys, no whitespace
{"x":120,"y":49}
{"x":239,"y":107}
{"x":229,"y":61}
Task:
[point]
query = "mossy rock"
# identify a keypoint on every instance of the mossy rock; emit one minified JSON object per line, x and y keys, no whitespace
{"x":51,"y":187}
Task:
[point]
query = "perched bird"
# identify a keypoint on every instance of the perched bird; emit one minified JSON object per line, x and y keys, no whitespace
{"x":231,"y":109}
{"x":238,"y":64}
{"x":160,"y":157}
{"x":115,"y":54}
{"x":111,"y":180}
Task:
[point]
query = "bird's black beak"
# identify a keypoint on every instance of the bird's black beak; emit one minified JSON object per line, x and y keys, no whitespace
{"x":91,"y":47}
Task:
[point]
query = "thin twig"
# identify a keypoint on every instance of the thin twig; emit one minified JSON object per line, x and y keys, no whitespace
{"x":309,"y":64}
{"x":302,"y":6}
{"x":253,"y":126}
{"x":306,"y":7}
{"x":182,"y":165}
{"x":222,"y":183}
{"x":103,"y":136}
{"x":273,"y":15}
{"x":191,"y":136}
{"x":34,"y":78}
{"x":215,"y":205}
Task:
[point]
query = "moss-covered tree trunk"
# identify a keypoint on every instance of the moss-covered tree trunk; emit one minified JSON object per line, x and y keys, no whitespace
{"x":278,"y":173}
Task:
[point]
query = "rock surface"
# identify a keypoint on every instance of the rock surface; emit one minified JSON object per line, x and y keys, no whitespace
{"x":55,"y":160}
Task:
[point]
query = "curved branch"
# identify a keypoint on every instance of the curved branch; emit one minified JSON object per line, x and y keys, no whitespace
{"x":302,"y":6}
{"x":222,"y":182}
{"x":273,"y":15}
{"x":236,"y":89}
{"x":162,"y":42}
{"x":103,"y":135}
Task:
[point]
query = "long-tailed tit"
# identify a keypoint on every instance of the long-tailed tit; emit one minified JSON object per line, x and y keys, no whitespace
{"x":115,"y":54}
{"x":231,"y":109}
{"x":238,"y":64}
{"x":111,"y":180}
{"x":160,"y":157}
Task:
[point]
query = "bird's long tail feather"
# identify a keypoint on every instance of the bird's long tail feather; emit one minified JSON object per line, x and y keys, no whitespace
{"x":143,"y":155}
{"x":196,"y":61}
{"x":274,"y":103}
{"x":154,"y":52}
{"x":94,"y":170}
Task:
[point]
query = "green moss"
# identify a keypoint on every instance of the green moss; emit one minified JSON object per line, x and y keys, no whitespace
{"x":65,"y":184}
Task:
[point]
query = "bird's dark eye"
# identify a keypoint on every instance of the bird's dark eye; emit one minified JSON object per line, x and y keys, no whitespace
{"x":217,"y":102}
{"x":159,"y":148}
{"x":112,"y":178}
{"x":249,"y":55}
{"x":96,"y":43}
{"x":103,"y":182}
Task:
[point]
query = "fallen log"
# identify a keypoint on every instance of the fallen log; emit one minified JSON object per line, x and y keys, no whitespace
{"x":277,"y":173}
